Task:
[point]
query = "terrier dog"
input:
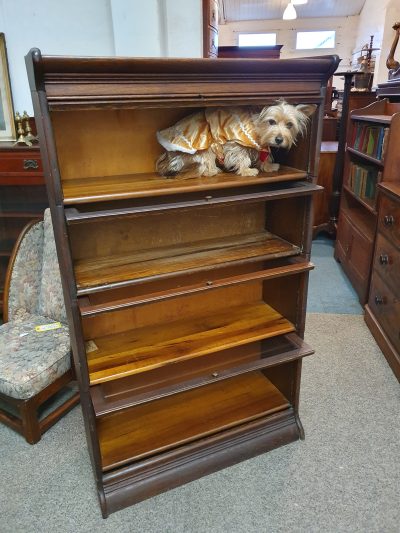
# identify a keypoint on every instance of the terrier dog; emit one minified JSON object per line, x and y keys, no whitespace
{"x":238,"y":139}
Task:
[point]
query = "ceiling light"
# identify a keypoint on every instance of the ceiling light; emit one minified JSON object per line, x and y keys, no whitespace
{"x":299,"y":2}
{"x":290,"y":12}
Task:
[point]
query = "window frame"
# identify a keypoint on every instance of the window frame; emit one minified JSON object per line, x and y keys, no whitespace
{"x":316,"y":31}
{"x":255,"y":33}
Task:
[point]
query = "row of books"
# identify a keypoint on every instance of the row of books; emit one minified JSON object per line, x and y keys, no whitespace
{"x":370,"y":139}
{"x":363,"y":179}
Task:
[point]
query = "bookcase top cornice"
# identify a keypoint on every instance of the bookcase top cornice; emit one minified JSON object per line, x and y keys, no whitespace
{"x":94,"y":80}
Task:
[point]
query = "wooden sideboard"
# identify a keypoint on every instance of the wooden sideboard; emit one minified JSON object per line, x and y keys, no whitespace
{"x":22,"y":197}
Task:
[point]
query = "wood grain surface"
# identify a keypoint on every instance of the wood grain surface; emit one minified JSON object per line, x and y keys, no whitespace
{"x":156,"y":426}
{"x":101,"y":271}
{"x":150,"y":347}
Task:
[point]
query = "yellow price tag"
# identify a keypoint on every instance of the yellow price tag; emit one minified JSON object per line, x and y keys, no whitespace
{"x":48,"y":327}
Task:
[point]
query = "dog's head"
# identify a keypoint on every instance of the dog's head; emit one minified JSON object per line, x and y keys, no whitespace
{"x":280,"y":124}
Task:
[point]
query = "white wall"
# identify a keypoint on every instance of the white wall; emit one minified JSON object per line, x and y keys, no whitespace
{"x":377,"y":19}
{"x":138,"y":28}
{"x":345,"y":27}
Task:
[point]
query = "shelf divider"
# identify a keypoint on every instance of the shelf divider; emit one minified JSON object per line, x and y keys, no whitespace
{"x":123,"y":354}
{"x":113,"y":396}
{"x":101,"y":273}
{"x":108,"y":188}
{"x":294,"y":266}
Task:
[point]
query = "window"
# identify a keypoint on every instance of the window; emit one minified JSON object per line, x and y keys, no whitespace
{"x":315,"y":39}
{"x":257,"y":39}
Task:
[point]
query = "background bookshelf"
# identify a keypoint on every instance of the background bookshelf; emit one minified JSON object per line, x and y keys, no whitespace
{"x":371,"y":157}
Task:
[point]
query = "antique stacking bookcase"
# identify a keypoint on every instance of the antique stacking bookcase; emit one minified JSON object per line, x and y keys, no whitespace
{"x":186,"y":298}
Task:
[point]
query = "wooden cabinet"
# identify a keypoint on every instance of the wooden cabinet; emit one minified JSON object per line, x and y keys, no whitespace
{"x":22,"y":197}
{"x":371,"y":158}
{"x":382,"y":314}
{"x":185,"y":297}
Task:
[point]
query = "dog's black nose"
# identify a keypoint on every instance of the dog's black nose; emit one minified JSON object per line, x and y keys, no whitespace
{"x":279,"y":140}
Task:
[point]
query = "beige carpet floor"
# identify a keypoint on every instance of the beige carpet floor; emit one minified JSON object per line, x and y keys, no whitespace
{"x":345,"y":477}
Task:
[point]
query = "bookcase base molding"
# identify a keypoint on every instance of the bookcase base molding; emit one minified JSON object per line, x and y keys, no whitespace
{"x":145,"y":479}
{"x":186,"y":298}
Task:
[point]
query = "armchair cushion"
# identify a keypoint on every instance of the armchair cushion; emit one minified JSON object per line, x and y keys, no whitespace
{"x":26,"y":273}
{"x":31,"y":360}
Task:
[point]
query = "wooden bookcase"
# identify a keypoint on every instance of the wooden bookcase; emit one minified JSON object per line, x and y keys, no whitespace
{"x":358,"y":210}
{"x":186,"y":298}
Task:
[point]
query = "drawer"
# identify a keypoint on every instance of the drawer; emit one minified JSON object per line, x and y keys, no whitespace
{"x":20,"y":162}
{"x":387,"y":262}
{"x":385,"y":305}
{"x":389,"y":219}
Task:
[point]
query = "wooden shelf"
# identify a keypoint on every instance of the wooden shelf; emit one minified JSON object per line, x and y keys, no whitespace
{"x":117,"y":395}
{"x":157,"y":426}
{"x":381,"y":119}
{"x":19,"y":214}
{"x":104,"y":304}
{"x":150,"y":347}
{"x":118,"y":270}
{"x":160,"y":204}
{"x":362,"y":201}
{"x":107,"y":188}
{"x":368,"y":158}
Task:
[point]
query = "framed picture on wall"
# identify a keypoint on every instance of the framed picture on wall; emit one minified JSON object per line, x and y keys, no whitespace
{"x":7,"y":124}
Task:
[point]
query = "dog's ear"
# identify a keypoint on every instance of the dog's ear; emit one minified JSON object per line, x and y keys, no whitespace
{"x":263,"y":113}
{"x":306,"y":109}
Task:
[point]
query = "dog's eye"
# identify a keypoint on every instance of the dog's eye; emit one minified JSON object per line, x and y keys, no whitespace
{"x":289,"y":125}
{"x":272,"y":121}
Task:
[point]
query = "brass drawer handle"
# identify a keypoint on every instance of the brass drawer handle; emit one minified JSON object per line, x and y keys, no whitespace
{"x":388,"y":220}
{"x":379,"y":300}
{"x":384,"y":259}
{"x":31,"y":164}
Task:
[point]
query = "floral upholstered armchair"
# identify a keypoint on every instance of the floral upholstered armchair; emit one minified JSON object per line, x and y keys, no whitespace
{"x":35,"y":354}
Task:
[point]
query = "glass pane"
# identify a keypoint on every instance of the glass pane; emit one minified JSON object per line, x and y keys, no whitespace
{"x":257,"y":39}
{"x":315,"y":39}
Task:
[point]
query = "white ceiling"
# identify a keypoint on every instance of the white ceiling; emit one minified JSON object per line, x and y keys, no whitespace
{"x":237,"y":10}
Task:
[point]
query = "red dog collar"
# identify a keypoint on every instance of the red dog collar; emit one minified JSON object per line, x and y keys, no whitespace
{"x":263,"y":155}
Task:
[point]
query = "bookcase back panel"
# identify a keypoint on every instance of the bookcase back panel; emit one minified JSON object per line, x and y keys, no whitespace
{"x":172,"y":310}
{"x":151,"y":232}
{"x":277,"y":293}
{"x":110,"y":142}
{"x":123,"y":141}
{"x":286,"y":218}
{"x":284,"y":295}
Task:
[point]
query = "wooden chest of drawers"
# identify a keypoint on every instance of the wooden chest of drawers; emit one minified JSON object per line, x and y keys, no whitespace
{"x":382,"y":314}
{"x":22,"y":197}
